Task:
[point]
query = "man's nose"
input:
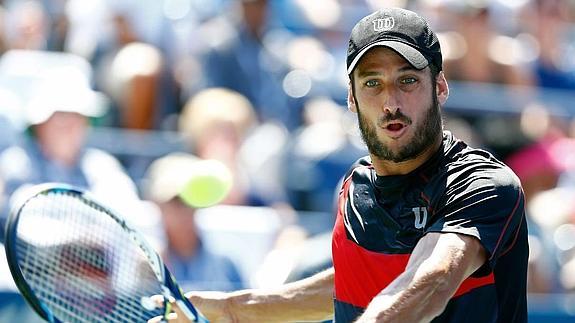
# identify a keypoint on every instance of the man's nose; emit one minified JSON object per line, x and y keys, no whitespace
{"x":390,"y":102}
{"x":391,"y":105}
{"x":389,"y":109}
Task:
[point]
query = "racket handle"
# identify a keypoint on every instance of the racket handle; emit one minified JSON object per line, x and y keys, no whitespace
{"x":197,"y":317}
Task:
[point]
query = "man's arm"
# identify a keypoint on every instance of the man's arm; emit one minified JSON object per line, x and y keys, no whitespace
{"x":436,"y":268}
{"x":309,"y":299}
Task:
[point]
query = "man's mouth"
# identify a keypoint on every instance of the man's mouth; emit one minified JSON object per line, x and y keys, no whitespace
{"x":395,"y":126}
{"x":395,"y":129}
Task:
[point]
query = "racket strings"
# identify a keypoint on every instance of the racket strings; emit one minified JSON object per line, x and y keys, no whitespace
{"x":89,"y":269}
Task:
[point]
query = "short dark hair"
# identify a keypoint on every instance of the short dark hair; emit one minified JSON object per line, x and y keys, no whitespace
{"x":434,"y":71}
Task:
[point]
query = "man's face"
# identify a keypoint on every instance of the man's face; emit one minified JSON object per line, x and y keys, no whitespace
{"x":397,"y":105}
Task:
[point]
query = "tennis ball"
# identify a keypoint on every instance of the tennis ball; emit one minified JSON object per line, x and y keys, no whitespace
{"x":210,"y":182}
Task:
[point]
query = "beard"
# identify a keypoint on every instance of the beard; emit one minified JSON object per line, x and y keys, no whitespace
{"x":425,"y":134}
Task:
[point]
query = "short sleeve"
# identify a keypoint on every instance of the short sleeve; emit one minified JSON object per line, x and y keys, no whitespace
{"x":487,"y":203}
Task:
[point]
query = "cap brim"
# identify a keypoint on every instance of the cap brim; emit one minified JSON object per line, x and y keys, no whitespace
{"x":412,"y":55}
{"x":85,"y":102}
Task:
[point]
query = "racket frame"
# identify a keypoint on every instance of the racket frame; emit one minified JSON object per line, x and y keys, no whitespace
{"x":170,"y":287}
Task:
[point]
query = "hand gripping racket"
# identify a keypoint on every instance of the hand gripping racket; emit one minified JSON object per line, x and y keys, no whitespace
{"x":75,"y":260}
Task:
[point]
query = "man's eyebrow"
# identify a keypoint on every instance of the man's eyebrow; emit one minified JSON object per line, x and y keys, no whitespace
{"x":368,"y":72}
{"x":365,"y":73}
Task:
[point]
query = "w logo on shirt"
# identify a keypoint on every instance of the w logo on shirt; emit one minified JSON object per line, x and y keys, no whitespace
{"x":420,"y":213}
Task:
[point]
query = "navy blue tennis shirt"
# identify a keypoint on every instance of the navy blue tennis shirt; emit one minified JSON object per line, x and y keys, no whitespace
{"x":460,"y":190}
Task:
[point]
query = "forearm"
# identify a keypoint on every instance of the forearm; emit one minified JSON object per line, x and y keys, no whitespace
{"x":305,"y":300}
{"x":438,"y":265}
{"x":412,"y":297}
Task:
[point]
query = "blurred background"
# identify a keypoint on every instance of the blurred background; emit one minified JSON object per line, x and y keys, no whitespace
{"x":122,"y":96}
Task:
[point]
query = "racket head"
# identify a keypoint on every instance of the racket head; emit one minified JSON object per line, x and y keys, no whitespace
{"x":75,"y":260}
{"x":10,"y":246}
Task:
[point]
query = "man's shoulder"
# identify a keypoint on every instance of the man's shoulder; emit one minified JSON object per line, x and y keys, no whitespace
{"x":469,"y":164}
{"x":363,"y":162}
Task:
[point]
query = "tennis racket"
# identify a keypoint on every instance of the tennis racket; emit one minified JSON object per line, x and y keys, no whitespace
{"x":75,"y":260}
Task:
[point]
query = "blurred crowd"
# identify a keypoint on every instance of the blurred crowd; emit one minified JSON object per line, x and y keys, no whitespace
{"x":260,"y":85}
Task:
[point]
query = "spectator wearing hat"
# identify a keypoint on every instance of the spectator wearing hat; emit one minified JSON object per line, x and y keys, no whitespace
{"x":195,"y":266}
{"x":215,"y":124}
{"x":53,"y":150}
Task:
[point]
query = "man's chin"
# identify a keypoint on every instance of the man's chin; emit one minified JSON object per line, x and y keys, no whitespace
{"x":395,"y":151}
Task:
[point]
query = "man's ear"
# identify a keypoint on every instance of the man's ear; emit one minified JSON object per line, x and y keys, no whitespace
{"x":350,"y":100}
{"x":441,"y":88}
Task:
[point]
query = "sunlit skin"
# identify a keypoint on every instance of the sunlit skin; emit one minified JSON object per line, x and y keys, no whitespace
{"x":394,"y":102}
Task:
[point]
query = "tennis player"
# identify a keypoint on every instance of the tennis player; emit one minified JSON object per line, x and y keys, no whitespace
{"x":428,"y":228}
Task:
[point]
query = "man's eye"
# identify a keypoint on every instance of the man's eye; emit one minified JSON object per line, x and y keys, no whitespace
{"x":408,"y":80}
{"x":371,"y":83}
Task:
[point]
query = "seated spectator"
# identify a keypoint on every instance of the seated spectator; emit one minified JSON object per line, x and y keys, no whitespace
{"x":474,"y":47}
{"x":318,"y":156}
{"x":539,"y":171}
{"x":132,"y":81}
{"x":53,"y":148}
{"x":215,"y":123}
{"x":195,"y":266}
{"x":549,"y":22}
{"x":242,"y":63}
{"x":26,"y":25}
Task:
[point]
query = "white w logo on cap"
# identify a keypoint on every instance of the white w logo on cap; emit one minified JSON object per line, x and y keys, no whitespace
{"x":382,"y":24}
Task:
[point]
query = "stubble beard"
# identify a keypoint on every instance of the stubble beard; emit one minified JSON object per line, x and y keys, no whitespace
{"x":425,"y":135}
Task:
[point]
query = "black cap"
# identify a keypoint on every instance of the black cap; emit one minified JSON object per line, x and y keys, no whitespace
{"x":402,"y":30}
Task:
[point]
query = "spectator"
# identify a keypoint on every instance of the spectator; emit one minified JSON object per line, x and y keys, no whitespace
{"x":472,"y":55}
{"x":243,"y":64}
{"x":215,"y":123}
{"x":195,"y":266}
{"x":132,"y":80}
{"x":133,"y":60}
{"x":53,"y":150}
{"x":549,"y":23}
{"x":539,"y":171}
{"x":318,"y":154}
{"x":26,"y":25}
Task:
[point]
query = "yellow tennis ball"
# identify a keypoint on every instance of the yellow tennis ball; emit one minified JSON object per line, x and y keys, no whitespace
{"x":210,"y":182}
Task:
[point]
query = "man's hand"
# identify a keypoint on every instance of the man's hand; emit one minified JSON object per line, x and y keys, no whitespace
{"x":215,"y":306}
